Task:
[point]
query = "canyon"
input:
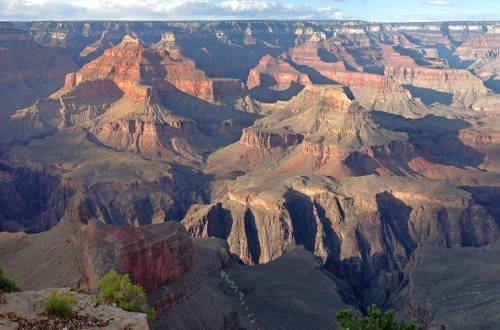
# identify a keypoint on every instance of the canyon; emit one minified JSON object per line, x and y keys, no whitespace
{"x":320,"y":165}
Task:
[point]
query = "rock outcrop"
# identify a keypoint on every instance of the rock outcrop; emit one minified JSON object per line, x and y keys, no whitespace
{"x":465,"y":87}
{"x":267,"y":140}
{"x":29,"y":71}
{"x":25,"y":309}
{"x":275,"y":72}
{"x":153,"y":256}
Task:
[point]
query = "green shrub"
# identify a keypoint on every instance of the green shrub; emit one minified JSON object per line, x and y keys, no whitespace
{"x":60,"y":303}
{"x":374,"y":320}
{"x":114,"y":288}
{"x":7,"y":284}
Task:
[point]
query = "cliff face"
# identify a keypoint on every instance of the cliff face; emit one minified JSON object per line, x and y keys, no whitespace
{"x":428,"y":276}
{"x":465,"y":87}
{"x":80,"y":250}
{"x":29,"y":71}
{"x":118,"y":97}
{"x":366,"y":239}
{"x":270,"y":72}
{"x":131,"y":61}
{"x":153,"y":255}
{"x":33,"y":200}
{"x":268,"y":140}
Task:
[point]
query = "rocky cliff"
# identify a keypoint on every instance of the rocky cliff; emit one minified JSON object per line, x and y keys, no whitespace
{"x":152,"y":255}
{"x":30,"y":71}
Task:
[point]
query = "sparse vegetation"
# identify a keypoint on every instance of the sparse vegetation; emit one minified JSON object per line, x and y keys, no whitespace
{"x":60,"y":304}
{"x":374,"y":320}
{"x":241,"y":297}
{"x":115,"y":288}
{"x":7,"y":284}
{"x":80,"y":289}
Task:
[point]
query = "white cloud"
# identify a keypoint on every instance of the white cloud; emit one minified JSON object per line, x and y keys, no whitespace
{"x":331,"y":12}
{"x":247,"y":5}
{"x":160,"y":10}
{"x":437,"y":2}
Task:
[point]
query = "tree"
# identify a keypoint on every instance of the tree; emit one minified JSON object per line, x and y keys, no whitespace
{"x":374,"y":320}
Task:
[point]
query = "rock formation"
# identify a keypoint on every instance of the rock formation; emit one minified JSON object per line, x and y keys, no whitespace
{"x":152,"y":255}
{"x":270,"y":72}
{"x":29,"y":71}
{"x":375,"y":146}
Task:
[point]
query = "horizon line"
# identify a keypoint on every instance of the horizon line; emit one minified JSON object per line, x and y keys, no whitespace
{"x":252,"y":20}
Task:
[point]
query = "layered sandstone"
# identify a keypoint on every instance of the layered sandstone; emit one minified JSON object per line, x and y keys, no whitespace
{"x":270,"y":72}
{"x":131,"y":61}
{"x":484,"y":46}
{"x":267,"y":140}
{"x":465,"y":87}
{"x":29,"y":71}
{"x":307,"y":54}
{"x":119,"y":97}
{"x":371,"y":90}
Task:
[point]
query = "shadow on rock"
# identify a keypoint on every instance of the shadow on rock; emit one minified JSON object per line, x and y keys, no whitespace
{"x":434,"y":138}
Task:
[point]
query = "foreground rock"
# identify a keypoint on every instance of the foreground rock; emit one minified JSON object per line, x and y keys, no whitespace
{"x":26,"y":310}
{"x":79,"y":250}
{"x":289,"y":292}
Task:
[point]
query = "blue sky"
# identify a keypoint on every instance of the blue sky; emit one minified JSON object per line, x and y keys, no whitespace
{"x":374,"y":10}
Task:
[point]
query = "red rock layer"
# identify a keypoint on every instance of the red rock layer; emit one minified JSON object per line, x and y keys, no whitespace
{"x":152,"y":255}
{"x":363,"y":79}
{"x":487,"y":45}
{"x":253,"y":137}
{"x":446,"y":80}
{"x":177,"y":140}
{"x":336,"y":71}
{"x":308,"y":55}
{"x":135,"y":69}
{"x":271,"y":71}
{"x":390,"y":57}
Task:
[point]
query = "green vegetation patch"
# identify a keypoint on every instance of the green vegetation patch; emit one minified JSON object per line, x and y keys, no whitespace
{"x":7,"y":284}
{"x":60,"y":304}
{"x":374,"y":320}
{"x":115,"y":288}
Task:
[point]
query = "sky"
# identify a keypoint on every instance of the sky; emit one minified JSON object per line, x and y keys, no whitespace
{"x":369,"y":10}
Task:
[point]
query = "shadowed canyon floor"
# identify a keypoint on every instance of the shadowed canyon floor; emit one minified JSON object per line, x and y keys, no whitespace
{"x":321,"y":165}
